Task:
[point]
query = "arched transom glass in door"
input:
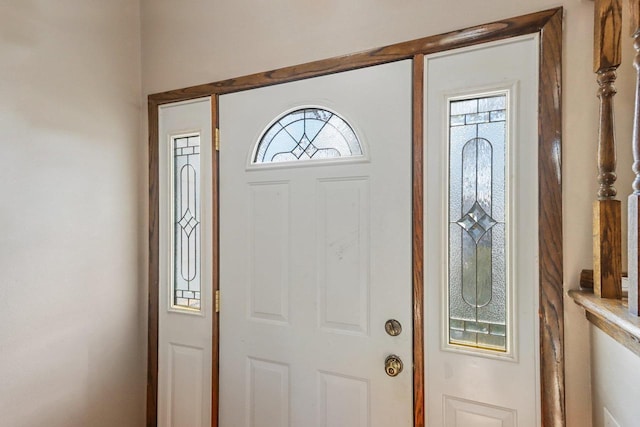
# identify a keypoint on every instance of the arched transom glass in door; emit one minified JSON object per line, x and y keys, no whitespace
{"x":310,"y":133}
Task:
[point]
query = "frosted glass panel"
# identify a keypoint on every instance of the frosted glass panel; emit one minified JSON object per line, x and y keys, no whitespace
{"x":477,"y":239}
{"x":305,"y":134}
{"x":186,"y":226}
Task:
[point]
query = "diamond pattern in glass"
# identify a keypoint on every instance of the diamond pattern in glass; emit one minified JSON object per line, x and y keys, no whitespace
{"x":305,"y":134}
{"x":477,"y":222}
{"x":188,"y":222}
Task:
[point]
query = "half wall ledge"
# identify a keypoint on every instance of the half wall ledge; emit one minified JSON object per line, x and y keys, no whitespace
{"x":612,"y":316}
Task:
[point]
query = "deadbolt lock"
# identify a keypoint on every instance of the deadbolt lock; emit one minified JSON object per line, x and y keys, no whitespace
{"x":393,"y":365}
{"x":393,"y":327}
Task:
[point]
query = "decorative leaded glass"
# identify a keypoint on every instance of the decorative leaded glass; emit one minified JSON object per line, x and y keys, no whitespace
{"x":477,"y":236}
{"x":186,"y":215}
{"x":305,"y":134}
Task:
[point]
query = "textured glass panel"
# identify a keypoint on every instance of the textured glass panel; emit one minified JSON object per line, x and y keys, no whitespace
{"x":469,"y":164}
{"x":495,"y":312}
{"x":477,"y":240}
{"x":493,"y":103}
{"x":462,"y":310}
{"x":493,"y":342}
{"x":309,"y":133}
{"x":186,"y":214}
{"x":469,"y":268}
{"x":458,"y":136}
{"x":457,"y":120}
{"x":476,"y":118}
{"x":464,"y":107}
{"x":496,"y":132}
{"x":497,"y":116}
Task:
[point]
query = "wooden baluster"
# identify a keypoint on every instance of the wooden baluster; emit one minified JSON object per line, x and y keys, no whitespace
{"x":607,"y":232}
{"x":634,"y":198}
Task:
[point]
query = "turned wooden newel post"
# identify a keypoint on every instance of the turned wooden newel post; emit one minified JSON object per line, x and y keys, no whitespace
{"x":634,"y":199}
{"x":607,"y":227}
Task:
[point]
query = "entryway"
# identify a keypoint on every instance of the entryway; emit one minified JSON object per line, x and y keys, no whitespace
{"x":359,"y":246}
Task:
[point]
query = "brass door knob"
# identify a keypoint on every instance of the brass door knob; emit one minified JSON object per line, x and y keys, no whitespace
{"x":393,"y":365}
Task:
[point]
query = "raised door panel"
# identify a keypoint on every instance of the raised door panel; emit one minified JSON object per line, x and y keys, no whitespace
{"x":343,"y":255}
{"x":270,"y":252}
{"x":187,"y":385}
{"x":466,"y":413}
{"x":344,"y":401}
{"x":269,"y":395}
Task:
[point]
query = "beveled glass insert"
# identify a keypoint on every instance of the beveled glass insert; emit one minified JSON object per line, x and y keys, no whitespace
{"x":477,"y":237}
{"x":186,"y":226}
{"x":305,"y":134}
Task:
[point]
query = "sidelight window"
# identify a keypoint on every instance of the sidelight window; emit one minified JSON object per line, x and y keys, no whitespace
{"x":185,"y":280}
{"x":478,"y":288}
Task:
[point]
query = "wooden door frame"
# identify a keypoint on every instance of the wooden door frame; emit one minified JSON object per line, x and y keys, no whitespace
{"x":548,"y":24}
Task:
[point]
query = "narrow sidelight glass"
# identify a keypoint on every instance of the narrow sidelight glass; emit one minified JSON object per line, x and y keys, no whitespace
{"x":186,"y":222}
{"x":478,"y":288}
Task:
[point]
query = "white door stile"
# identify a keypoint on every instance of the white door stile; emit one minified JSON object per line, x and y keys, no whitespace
{"x":467,"y":387}
{"x":184,"y":338}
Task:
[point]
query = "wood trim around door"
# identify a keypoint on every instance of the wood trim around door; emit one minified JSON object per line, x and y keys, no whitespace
{"x":215,"y":347}
{"x":506,"y":28}
{"x":154,"y":267}
{"x":551,"y":305}
{"x":548,"y":24}
{"x":418,"y":241}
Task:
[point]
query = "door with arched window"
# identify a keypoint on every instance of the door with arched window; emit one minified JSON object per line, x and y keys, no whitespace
{"x":315,"y":251}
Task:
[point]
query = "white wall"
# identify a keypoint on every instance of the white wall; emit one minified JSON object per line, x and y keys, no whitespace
{"x":71,"y":304}
{"x":195,"y":41}
{"x":616,"y":371}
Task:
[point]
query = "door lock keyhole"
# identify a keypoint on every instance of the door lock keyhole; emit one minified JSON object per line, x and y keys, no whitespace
{"x":393,"y":365}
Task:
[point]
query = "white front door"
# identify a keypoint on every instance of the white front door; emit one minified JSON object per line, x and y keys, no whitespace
{"x":481,"y":224}
{"x":315,"y":251}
